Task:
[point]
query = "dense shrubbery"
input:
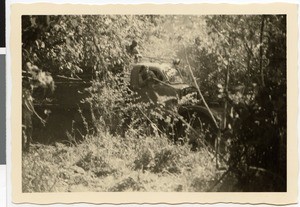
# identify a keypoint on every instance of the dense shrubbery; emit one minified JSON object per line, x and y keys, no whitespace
{"x":255,"y":94}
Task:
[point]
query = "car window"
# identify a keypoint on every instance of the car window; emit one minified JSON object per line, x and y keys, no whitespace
{"x":158,"y":75}
{"x":173,"y":75}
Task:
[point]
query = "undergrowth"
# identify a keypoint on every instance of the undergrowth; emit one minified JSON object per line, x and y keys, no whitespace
{"x":128,"y":151}
{"x":105,"y":162}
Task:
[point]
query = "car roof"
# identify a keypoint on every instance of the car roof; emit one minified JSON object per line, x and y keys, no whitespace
{"x":162,"y":66}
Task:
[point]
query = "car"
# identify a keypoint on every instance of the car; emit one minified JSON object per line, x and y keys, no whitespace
{"x":167,"y":88}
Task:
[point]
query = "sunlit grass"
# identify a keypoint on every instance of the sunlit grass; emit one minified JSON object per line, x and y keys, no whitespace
{"x":112,"y":163}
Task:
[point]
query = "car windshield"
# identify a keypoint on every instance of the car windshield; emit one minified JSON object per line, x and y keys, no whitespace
{"x":173,"y":75}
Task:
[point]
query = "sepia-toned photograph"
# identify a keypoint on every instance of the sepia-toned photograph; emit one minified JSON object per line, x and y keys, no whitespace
{"x":153,"y":103}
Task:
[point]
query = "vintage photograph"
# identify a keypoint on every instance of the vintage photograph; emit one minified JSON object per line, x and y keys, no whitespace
{"x":154,"y":103}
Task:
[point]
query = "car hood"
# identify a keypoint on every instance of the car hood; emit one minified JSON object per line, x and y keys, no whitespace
{"x":180,"y":86}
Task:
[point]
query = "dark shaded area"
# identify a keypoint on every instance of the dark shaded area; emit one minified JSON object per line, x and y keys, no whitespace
{"x":67,"y":118}
{"x":2,"y":23}
{"x":63,"y":125}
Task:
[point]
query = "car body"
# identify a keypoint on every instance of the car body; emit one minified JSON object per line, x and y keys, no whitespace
{"x":169,"y":85}
{"x":171,"y":91}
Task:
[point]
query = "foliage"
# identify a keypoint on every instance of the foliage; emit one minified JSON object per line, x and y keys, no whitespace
{"x":78,"y":45}
{"x":255,"y":60}
{"x":67,"y":49}
{"x":239,"y":63}
{"x":121,"y":110}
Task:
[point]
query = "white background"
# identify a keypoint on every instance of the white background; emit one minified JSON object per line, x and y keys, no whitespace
{"x":5,"y":190}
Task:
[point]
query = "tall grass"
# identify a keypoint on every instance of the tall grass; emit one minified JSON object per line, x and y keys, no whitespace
{"x":127,"y":152}
{"x":111,"y":163}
